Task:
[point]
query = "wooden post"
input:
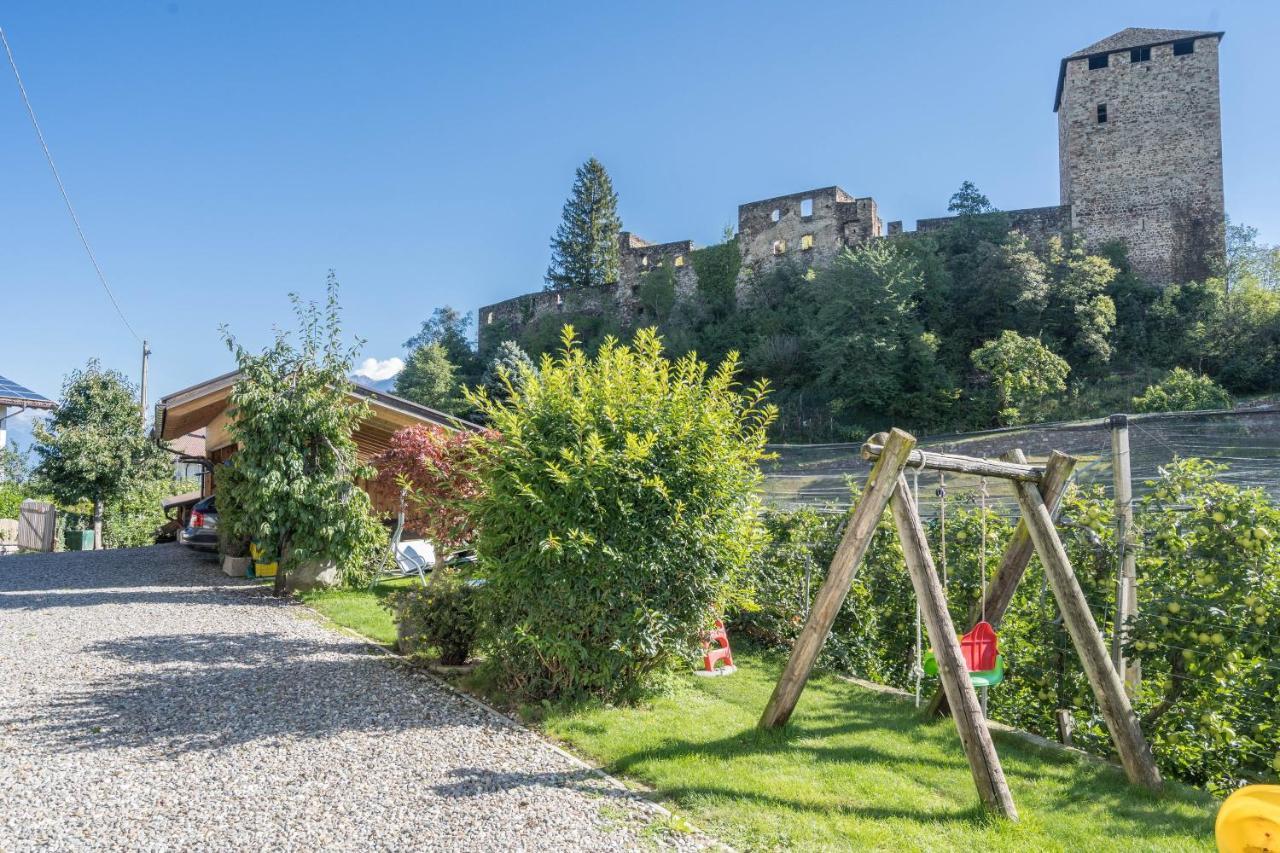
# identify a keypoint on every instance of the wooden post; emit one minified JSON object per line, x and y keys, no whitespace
{"x":1017,"y":554}
{"x":1066,"y":726}
{"x":984,"y":763}
{"x":831,"y":595}
{"x":1113,"y":702}
{"x":1127,"y":576}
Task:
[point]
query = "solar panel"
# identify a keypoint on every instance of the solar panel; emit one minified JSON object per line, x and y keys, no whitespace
{"x":11,"y":392}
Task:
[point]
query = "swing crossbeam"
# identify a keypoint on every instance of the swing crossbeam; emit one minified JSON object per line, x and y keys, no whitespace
{"x":894,"y":453}
{"x":930,"y":461}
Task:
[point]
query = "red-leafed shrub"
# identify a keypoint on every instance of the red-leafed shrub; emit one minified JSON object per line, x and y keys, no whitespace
{"x":439,"y":471}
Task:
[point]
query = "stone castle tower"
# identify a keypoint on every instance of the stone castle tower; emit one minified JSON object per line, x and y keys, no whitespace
{"x":1140,"y":149}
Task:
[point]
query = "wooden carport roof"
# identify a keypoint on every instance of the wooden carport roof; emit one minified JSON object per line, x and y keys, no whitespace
{"x":200,"y":406}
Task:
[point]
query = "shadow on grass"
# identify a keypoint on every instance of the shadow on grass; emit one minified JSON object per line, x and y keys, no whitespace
{"x":844,"y":728}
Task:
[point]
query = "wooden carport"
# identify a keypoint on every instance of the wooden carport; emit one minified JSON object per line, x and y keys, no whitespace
{"x":205,"y":406}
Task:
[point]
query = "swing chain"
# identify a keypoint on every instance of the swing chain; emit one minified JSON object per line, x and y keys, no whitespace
{"x":942,"y":525}
{"x":982,"y":545}
{"x":917,"y":666}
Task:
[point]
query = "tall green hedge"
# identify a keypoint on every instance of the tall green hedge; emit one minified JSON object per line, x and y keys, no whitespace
{"x":618,"y":515}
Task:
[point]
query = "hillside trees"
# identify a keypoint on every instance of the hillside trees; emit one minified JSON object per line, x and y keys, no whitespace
{"x":584,"y":250}
{"x":885,"y":364}
{"x":1024,"y":373}
{"x":430,"y":378}
{"x":970,"y":282}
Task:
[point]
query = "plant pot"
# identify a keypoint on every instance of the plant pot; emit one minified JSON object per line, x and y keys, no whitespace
{"x":236,"y":567}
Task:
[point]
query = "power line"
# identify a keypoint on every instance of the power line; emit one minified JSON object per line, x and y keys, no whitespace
{"x":62,"y":189}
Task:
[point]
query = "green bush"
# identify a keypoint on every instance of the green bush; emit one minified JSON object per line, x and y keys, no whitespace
{"x":11,"y":498}
{"x":133,"y":519}
{"x":441,"y":615}
{"x":618,"y":516}
{"x":1182,"y":391}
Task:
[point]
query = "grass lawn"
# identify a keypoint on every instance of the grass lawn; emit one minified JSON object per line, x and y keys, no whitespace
{"x":360,"y":610}
{"x":857,"y":770}
{"x":853,"y":770}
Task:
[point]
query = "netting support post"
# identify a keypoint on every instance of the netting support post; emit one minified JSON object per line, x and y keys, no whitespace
{"x":1127,"y":576}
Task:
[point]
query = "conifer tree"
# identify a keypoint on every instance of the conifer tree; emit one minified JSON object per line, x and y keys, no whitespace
{"x":584,"y":250}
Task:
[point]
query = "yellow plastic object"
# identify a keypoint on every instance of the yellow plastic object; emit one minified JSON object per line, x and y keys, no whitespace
{"x":1249,"y":821}
{"x":261,"y":570}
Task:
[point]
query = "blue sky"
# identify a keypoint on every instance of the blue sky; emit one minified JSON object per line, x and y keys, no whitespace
{"x":223,"y":154}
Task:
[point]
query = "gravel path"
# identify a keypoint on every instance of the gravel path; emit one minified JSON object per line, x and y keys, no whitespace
{"x":148,"y":702}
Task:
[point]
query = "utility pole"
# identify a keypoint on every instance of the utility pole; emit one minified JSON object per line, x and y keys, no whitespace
{"x":1127,"y":577}
{"x":142,"y":401}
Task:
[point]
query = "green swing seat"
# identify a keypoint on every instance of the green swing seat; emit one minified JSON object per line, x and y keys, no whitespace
{"x":981,"y":655}
{"x":986,"y":678}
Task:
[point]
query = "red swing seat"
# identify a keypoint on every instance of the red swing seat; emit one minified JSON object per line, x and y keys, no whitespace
{"x":980,"y":647}
{"x":981,"y":650}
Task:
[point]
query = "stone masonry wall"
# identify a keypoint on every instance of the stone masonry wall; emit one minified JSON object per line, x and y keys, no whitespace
{"x":1038,"y":224}
{"x":811,"y":228}
{"x":1151,"y":174}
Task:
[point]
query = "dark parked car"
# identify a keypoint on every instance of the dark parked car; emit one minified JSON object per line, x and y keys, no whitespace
{"x":201,"y":531}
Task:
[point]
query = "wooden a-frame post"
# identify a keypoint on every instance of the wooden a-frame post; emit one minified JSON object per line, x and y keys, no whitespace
{"x":1108,"y":689}
{"x":984,"y":763}
{"x":1017,"y":554}
{"x":834,"y":589}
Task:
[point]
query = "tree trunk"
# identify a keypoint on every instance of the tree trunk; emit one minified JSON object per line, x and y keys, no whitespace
{"x":97,"y":524}
{"x":278,"y":589}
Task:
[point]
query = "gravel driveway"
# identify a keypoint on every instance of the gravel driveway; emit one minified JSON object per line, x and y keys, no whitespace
{"x":147,"y":701}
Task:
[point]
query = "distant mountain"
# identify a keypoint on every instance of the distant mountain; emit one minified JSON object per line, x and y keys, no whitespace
{"x":387,"y":386}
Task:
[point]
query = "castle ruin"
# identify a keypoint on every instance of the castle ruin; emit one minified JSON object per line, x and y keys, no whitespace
{"x":1140,"y":162}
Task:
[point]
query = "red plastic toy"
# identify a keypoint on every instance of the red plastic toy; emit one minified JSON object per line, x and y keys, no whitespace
{"x":720,"y":651}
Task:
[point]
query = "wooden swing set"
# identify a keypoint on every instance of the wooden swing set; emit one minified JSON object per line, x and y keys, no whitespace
{"x":1039,"y":491}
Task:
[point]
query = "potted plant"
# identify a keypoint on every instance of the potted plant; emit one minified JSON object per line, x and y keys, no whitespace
{"x":235,"y":554}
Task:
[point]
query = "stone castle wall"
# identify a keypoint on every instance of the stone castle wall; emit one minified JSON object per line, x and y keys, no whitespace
{"x":1150,"y":175}
{"x":1037,"y":224}
{"x":810,"y":228}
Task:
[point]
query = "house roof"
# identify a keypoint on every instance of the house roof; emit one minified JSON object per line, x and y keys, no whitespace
{"x":1127,"y":39}
{"x":13,"y":394}
{"x":196,"y":407}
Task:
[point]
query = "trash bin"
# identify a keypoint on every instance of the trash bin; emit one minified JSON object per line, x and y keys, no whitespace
{"x":78,"y":540}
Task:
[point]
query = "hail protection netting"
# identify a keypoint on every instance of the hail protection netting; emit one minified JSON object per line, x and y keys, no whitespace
{"x":1247,"y":441}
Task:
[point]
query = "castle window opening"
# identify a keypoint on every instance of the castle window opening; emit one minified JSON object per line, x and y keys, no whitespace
{"x":1140,"y":54}
{"x":806,"y":242}
{"x":644,"y":261}
{"x":776,"y":215}
{"x":1102,"y":113}
{"x":559,"y":298}
{"x":806,"y":207}
{"x":1096,"y":62}
{"x":779,"y":247}
{"x":1182,"y":48}
{"x":488,"y":320}
{"x":679,"y":261}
